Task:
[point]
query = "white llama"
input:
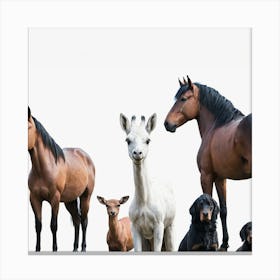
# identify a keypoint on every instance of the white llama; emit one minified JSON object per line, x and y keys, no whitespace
{"x":152,"y":210}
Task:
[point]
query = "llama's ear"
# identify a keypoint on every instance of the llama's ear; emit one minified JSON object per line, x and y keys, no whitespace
{"x":125,"y":125}
{"x":124,"y":199}
{"x":190,"y":83}
{"x":101,"y":200}
{"x":29,"y":113}
{"x":151,"y":124}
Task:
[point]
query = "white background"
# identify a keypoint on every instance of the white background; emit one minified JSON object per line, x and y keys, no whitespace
{"x":82,"y":79}
{"x":17,"y":17}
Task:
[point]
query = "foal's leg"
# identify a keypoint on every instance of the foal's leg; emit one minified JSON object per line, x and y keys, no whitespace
{"x":72,"y":207}
{"x":221,"y":190}
{"x":84,"y":204}
{"x":36,"y":204}
{"x":55,"y":206}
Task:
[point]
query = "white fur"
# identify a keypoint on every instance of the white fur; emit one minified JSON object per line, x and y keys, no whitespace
{"x":152,"y":210}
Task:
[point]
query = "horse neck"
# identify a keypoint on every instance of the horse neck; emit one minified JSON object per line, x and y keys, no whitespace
{"x":205,"y":121}
{"x":43,"y":162}
{"x":141,"y":181}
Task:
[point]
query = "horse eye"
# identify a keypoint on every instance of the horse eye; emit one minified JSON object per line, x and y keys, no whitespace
{"x":148,"y":141}
{"x":127,"y":141}
{"x":183,"y":99}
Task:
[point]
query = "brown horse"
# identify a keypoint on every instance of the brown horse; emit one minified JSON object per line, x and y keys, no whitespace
{"x":225,"y":150}
{"x":58,"y":176}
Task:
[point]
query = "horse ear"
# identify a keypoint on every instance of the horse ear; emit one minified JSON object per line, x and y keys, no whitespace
{"x":151,"y":124}
{"x":125,"y":125}
{"x":29,"y":113}
{"x":101,"y":200}
{"x":124,"y":199}
{"x":190,"y":83}
{"x":181,"y":84}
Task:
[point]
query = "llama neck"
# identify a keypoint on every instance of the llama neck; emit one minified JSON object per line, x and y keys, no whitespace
{"x":42,"y":159}
{"x":141,"y":181}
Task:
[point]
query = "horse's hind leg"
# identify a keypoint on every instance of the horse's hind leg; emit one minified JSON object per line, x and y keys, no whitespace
{"x":221,"y":190}
{"x":72,"y":208}
{"x":84,"y":204}
{"x":37,"y":209}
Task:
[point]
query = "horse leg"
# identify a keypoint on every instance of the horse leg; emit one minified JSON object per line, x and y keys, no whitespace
{"x":221,"y":190}
{"x":84,"y":205}
{"x":55,"y":206}
{"x":72,"y":208}
{"x":36,"y":205}
{"x":206,"y":180}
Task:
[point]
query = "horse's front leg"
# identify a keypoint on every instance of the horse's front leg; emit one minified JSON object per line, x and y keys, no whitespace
{"x":55,"y":206}
{"x":137,"y":239}
{"x":221,"y":190}
{"x":36,"y":204}
{"x":206,"y":180}
{"x":158,"y":236}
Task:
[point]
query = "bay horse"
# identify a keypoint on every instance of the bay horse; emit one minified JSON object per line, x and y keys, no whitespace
{"x":58,"y":175}
{"x":226,"y":146}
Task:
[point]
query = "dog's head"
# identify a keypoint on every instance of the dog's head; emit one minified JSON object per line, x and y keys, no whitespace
{"x":205,"y":209}
{"x":246,"y":233}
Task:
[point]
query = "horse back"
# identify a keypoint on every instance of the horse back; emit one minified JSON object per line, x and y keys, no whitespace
{"x":80,"y":173}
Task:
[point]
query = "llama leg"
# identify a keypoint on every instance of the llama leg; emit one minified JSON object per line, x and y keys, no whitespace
{"x":137,"y":240}
{"x":158,"y":236}
{"x":37,"y":209}
{"x":169,"y":238}
{"x":72,"y":208}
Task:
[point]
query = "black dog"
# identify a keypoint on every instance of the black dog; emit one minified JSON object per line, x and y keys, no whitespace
{"x":246,"y":236}
{"x":202,"y":235}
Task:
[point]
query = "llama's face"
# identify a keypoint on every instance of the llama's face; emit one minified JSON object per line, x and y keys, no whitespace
{"x":138,"y":136}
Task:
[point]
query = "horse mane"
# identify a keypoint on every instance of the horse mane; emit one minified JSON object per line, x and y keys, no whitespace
{"x":49,"y":141}
{"x":222,"y":108}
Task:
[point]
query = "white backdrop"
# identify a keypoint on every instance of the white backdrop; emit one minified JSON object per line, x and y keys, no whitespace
{"x":81,"y":79}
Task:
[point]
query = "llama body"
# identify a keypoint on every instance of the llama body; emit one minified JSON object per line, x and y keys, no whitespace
{"x":152,"y":210}
{"x":119,"y":236}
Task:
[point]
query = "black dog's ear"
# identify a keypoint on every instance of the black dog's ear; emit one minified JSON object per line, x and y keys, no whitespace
{"x":243,"y":233}
{"x":216,"y":210}
{"x":193,"y":211}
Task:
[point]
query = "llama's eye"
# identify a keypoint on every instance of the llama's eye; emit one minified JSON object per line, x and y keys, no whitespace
{"x":148,"y":141}
{"x":127,"y":141}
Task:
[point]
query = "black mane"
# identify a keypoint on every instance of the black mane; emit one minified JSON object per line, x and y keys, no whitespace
{"x":49,"y":141}
{"x":222,"y":108}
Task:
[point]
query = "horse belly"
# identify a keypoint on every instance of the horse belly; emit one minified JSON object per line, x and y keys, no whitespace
{"x":226,"y":161}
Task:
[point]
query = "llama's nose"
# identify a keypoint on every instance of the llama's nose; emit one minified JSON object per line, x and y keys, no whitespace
{"x":137,"y":153}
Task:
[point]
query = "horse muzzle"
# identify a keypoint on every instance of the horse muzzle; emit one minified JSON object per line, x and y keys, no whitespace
{"x":170,"y":127}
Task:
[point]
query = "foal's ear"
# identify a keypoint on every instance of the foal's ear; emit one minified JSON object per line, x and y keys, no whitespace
{"x":190,"y":83}
{"x":125,"y":125}
{"x":101,"y":200}
{"x":151,"y":124}
{"x":124,"y":199}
